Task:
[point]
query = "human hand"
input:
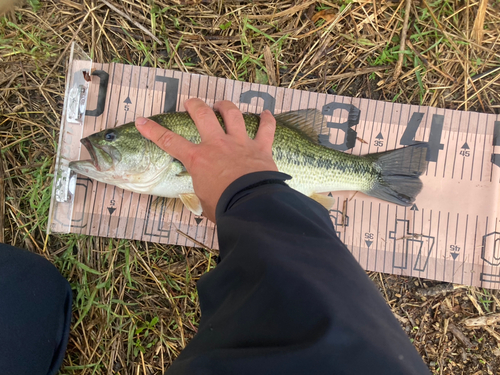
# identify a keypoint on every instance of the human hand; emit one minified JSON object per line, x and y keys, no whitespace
{"x":221,"y":157}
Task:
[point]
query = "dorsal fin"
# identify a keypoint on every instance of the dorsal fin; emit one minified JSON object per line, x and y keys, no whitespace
{"x":307,"y":122}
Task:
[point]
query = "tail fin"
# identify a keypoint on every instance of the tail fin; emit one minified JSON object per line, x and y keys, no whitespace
{"x":400,"y":170}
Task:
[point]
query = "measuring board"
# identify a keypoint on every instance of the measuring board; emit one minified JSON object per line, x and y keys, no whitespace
{"x":451,"y":233}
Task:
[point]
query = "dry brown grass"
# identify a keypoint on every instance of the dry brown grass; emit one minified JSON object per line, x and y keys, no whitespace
{"x":136,"y":305}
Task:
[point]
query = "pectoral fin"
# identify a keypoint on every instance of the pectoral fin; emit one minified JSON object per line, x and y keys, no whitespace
{"x":192,"y":202}
{"x":323,"y":200}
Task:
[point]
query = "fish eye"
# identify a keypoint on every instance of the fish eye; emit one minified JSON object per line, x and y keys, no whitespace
{"x":110,"y":136}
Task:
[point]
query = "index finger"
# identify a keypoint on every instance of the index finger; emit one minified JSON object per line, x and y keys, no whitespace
{"x":170,"y":142}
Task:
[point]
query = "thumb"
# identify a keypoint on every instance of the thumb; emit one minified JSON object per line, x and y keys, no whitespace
{"x":170,"y":142}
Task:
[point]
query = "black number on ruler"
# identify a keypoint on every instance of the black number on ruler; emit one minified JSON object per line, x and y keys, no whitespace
{"x":434,"y":144}
{"x":171,"y":92}
{"x":127,"y":104}
{"x":368,"y":236}
{"x":269,"y":101}
{"x":101,"y":97}
{"x":349,"y":134}
{"x":495,"y":158}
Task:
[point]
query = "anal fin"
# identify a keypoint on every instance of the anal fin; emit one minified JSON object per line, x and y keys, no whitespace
{"x":192,"y":202}
{"x":323,"y":200}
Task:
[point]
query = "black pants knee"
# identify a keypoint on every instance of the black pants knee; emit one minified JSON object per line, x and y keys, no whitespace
{"x":35,"y":314}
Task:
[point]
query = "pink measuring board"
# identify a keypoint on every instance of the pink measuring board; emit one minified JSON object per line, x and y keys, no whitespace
{"x":451,"y":233}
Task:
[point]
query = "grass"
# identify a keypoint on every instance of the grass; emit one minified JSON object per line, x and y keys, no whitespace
{"x":135,"y":303}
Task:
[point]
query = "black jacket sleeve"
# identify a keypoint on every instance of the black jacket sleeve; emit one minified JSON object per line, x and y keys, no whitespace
{"x":287,"y":296}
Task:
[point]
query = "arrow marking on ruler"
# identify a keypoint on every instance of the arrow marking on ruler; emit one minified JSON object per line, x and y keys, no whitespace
{"x":111,"y":210}
{"x":379,"y":136}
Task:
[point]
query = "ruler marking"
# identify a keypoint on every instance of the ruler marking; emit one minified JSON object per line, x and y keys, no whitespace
{"x":406,"y":220}
{"x":466,"y":139}
{"x":437,"y":241}
{"x":366,"y":126}
{"x":92,"y":196}
{"x":369,"y":231}
{"x":107,"y":96}
{"x":456,"y":145}
{"x":182,"y":206}
{"x":430,"y":231}
{"x":399,"y":125}
{"x":97,"y":182}
{"x":484,"y":150}
{"x":140,"y":195}
{"x":114,"y":190}
{"x":446,"y":244}
{"x":204,"y":236}
{"x":421,"y":250}
{"x":361,"y":231}
{"x":191,"y":215}
{"x":465,"y":246}
{"x":135,"y":111}
{"x":353,"y":224}
{"x":474,"y":251}
{"x":455,"y":243}
{"x":448,"y":144}
{"x":494,"y":267}
{"x":150,"y":199}
{"x":106,"y":126}
{"x":283,"y":100}
{"x":386,"y":235}
{"x":116,"y":120}
{"x":161,"y":214}
{"x":333,"y":119}
{"x":483,"y":262}
{"x":184,"y":209}
{"x":495,"y":134}
{"x":389,"y":128}
{"x":377,"y":243}
{"x":146,"y":221}
{"x":112,"y":187}
{"x":321,"y":123}
{"x":474,"y":148}
{"x":373,"y":128}
{"x":483,"y":266}
{"x":428,"y":252}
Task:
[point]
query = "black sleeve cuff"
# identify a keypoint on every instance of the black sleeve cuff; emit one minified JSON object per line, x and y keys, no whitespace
{"x":247,"y":182}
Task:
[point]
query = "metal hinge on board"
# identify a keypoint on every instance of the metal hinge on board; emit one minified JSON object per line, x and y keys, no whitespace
{"x":75,"y":106}
{"x":65,"y":185}
{"x":77,"y":101}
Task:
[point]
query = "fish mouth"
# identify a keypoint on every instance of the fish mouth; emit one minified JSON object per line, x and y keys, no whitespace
{"x":91,"y":150}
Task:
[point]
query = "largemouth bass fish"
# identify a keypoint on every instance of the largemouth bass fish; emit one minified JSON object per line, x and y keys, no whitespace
{"x":121,"y":156}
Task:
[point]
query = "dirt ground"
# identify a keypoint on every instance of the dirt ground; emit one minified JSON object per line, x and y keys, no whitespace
{"x":136,"y":304}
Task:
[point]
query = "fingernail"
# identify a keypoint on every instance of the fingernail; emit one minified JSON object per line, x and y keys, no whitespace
{"x":140,"y":121}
